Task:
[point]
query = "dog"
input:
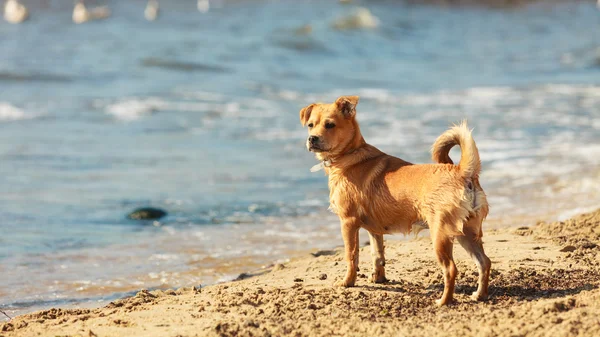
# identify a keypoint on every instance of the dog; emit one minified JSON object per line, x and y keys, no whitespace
{"x":384,"y":194}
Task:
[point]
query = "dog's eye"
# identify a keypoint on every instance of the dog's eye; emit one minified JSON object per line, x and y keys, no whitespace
{"x":329,"y":125}
{"x":310,"y":125}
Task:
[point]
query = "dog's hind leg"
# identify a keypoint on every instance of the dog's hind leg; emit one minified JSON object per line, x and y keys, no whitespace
{"x":377,"y":249}
{"x":442,"y":245}
{"x":471,"y":242}
{"x":356,"y":259}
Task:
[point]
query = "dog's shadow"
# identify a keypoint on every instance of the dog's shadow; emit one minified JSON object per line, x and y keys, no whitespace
{"x":527,"y":293}
{"x":393,"y":286}
{"x":496,"y":292}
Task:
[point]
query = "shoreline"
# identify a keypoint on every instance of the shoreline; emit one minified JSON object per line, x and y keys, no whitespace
{"x":96,"y":300}
{"x":101,"y":298}
{"x":545,"y":277}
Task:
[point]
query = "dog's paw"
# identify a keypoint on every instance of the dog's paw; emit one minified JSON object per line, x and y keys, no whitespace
{"x":441,"y":302}
{"x":375,"y":278}
{"x":476,"y":296}
{"x":343,"y":284}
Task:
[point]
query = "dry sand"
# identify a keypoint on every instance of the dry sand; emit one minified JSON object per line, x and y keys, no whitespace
{"x":545,"y":282}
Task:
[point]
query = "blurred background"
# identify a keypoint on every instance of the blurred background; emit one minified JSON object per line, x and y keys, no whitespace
{"x":196,"y":113}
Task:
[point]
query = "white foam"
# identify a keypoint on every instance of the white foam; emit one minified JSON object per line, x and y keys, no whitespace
{"x":11,"y":113}
{"x":279,"y":134}
{"x":133,"y":109}
{"x":511,"y":153}
{"x":589,"y":152}
{"x":565,"y":89}
{"x":201,"y":95}
{"x":163,"y":257}
{"x":297,"y":235}
{"x":312,"y":203}
{"x":360,"y":18}
{"x":573,"y":212}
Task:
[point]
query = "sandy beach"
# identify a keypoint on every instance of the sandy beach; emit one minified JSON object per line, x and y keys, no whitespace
{"x":545,"y":282}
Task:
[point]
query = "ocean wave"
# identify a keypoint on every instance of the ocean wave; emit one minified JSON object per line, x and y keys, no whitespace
{"x":131,"y":109}
{"x":214,"y":106}
{"x":506,"y":120}
{"x":500,"y":96}
{"x":200,"y":95}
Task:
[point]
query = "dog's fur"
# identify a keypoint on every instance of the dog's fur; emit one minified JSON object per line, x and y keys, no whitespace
{"x":384,"y":194}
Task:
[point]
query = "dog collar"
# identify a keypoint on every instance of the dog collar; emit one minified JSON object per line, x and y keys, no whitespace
{"x":321,"y":165}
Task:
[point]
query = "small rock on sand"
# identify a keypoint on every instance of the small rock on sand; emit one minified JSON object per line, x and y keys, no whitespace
{"x":323,"y":276}
{"x":7,"y":327}
{"x":144,"y":293}
{"x":147,"y":213}
{"x":278,"y":266}
{"x":242,"y":276}
{"x":569,"y":248}
{"x":323,"y":253}
{"x":588,"y":245}
{"x":186,"y":290}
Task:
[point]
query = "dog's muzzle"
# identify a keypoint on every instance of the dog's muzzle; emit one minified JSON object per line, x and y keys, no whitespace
{"x":314,"y":144}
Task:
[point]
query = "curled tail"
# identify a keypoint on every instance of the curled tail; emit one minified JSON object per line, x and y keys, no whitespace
{"x":460,"y":135}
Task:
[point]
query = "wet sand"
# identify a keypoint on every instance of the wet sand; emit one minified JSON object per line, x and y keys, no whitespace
{"x":545,"y":282}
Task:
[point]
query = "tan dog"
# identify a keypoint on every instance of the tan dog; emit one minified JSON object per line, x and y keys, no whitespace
{"x":383,"y":194}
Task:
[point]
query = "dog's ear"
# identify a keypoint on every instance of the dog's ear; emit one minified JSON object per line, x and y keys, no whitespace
{"x":305,"y":114}
{"x":347,"y":105}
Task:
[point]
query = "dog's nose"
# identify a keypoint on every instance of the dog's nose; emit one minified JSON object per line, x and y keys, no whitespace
{"x":313,"y":139}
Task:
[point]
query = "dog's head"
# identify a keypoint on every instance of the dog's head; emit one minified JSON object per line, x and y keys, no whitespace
{"x":331,"y":127}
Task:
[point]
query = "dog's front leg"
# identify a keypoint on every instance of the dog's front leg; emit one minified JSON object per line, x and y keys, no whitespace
{"x":378,"y":258}
{"x":350,"y":227}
